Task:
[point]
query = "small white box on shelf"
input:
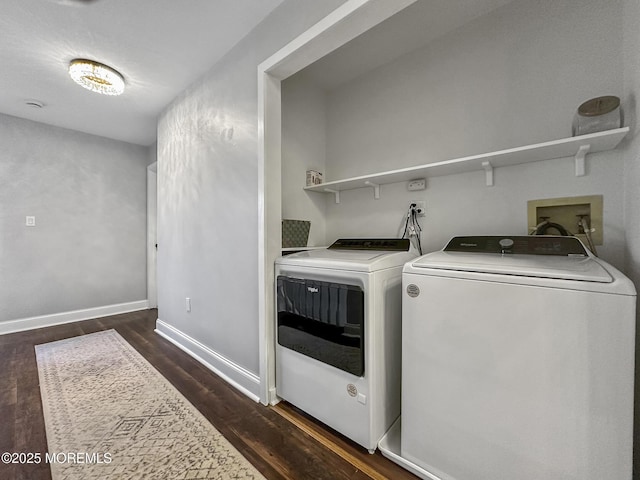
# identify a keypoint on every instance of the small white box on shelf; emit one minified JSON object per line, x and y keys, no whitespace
{"x":313,"y":178}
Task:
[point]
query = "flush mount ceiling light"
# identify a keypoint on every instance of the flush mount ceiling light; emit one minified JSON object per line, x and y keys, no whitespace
{"x":96,"y":77}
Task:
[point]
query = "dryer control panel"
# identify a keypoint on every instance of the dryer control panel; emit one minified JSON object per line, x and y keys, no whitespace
{"x":529,"y":245}
{"x":386,"y":244}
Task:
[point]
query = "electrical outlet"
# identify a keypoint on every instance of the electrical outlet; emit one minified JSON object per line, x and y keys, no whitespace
{"x":187,"y":304}
{"x":420,"y":208}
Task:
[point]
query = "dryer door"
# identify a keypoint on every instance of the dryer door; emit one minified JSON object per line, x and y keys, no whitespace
{"x":322,"y":320}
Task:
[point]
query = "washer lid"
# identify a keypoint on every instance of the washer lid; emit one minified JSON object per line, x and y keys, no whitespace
{"x":354,"y":260}
{"x":585,"y":269}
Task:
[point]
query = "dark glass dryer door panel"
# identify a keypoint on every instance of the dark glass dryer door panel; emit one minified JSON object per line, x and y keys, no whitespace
{"x":322,"y":320}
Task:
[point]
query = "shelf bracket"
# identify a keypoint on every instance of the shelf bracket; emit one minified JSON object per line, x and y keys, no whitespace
{"x":376,"y":189}
{"x":336,"y":192}
{"x":582,"y":152}
{"x":488,"y":172}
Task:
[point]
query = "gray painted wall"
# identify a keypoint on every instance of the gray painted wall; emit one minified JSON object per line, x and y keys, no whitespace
{"x":88,"y":194}
{"x":208,"y":197}
{"x":631,"y":153}
{"x":303,"y":148}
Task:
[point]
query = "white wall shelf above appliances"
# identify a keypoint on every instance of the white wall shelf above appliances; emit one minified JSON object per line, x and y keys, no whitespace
{"x":578,"y":147}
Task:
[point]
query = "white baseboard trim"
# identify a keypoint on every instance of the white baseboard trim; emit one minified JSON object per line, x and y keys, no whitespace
{"x":237,"y":376}
{"x":30,"y":323}
{"x":273,"y":397}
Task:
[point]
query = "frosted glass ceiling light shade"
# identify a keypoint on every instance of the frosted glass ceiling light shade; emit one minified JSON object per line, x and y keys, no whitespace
{"x":96,"y":77}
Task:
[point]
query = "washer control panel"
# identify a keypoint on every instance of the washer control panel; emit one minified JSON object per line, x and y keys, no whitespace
{"x":529,"y":245}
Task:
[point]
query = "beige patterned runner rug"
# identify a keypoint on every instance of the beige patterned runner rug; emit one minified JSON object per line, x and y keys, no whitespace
{"x":110,"y":415}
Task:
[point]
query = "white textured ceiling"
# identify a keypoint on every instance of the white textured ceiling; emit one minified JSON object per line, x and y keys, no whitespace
{"x":411,"y":28}
{"x":160,"y":46}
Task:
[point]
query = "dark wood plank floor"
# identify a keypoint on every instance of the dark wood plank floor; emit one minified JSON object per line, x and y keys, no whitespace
{"x":264,"y":435}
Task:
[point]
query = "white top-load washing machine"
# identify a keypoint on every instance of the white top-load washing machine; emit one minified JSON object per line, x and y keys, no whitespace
{"x":339,"y":333}
{"x":518,"y":361}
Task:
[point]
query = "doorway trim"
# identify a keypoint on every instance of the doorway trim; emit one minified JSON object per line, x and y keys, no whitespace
{"x":152,"y":235}
{"x":345,"y":23}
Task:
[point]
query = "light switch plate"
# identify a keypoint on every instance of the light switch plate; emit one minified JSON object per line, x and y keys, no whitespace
{"x":30,"y":221}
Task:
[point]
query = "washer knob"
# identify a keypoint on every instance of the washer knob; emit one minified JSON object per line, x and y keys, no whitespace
{"x":505,"y":245}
